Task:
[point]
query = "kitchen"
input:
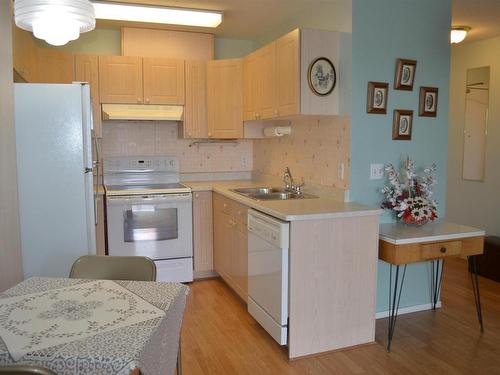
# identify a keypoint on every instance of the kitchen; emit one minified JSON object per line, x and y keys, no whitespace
{"x":172,"y":125}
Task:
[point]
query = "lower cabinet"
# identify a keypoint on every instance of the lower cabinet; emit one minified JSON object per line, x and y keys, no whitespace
{"x":231,"y":243}
{"x":203,"y":235}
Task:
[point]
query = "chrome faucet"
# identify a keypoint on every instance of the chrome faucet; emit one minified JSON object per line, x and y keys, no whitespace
{"x":290,"y":185}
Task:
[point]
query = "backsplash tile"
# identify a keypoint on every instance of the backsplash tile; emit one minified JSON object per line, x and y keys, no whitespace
{"x":313,"y":152}
{"x":161,"y":138}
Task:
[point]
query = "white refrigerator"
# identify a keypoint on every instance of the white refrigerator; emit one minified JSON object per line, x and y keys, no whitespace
{"x":53,"y":124}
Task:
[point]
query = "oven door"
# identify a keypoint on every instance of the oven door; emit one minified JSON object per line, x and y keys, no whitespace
{"x":156,"y":226}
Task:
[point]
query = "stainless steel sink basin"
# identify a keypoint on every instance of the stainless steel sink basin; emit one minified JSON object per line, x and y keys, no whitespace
{"x":271,"y":194}
{"x":257,"y":190}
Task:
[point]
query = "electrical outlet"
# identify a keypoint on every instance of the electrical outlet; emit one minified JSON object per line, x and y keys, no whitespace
{"x":376,"y":171}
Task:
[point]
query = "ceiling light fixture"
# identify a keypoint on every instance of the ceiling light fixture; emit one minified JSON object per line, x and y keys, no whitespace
{"x":458,"y":33}
{"x":55,"y":21}
{"x":157,"y":14}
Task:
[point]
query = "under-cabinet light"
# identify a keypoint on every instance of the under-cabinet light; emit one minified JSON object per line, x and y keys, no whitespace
{"x":157,"y":14}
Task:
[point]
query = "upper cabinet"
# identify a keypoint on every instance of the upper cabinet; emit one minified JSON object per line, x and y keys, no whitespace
{"x":120,"y":79}
{"x":195,"y":108}
{"x":225,"y":98}
{"x":163,"y":81}
{"x":87,"y":70}
{"x":259,"y":84}
{"x":276,"y":81}
{"x":131,"y":80}
{"x":25,"y":56}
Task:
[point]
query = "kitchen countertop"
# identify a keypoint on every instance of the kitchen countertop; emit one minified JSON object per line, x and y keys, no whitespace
{"x":287,"y":210}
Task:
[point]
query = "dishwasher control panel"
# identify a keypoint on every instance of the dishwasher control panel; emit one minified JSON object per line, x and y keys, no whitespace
{"x":269,"y":228}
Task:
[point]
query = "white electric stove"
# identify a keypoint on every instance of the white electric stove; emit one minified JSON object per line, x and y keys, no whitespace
{"x":149,"y":213}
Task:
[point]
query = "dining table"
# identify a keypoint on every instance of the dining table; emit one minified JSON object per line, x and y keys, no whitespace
{"x":85,"y":326}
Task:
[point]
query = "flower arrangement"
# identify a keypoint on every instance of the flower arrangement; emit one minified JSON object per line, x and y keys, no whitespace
{"x":410,"y":197}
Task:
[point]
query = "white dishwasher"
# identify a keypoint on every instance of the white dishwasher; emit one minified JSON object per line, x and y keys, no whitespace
{"x":268,"y":243}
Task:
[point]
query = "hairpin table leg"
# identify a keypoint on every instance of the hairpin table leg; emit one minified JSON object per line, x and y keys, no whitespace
{"x":475,"y":288}
{"x":394,"y":299}
{"x":436,"y":278}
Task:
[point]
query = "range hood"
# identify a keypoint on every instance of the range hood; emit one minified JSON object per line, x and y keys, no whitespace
{"x":142,"y":112}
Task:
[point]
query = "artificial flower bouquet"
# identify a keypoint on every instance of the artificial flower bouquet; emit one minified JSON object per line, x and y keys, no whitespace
{"x":410,"y":195}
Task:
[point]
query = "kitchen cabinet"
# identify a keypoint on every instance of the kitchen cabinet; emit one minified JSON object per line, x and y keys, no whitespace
{"x":231,"y":243}
{"x":87,"y":70}
{"x":120,"y":79}
{"x":225,"y":98}
{"x":24,"y":53}
{"x":163,"y":81}
{"x":259,"y":77}
{"x":276,"y":76}
{"x":132,"y":80}
{"x":203,"y":234}
{"x":195,"y":108}
{"x":54,"y":66}
{"x":287,"y":74}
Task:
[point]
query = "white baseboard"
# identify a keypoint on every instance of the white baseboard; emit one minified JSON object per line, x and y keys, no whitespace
{"x":408,"y":310}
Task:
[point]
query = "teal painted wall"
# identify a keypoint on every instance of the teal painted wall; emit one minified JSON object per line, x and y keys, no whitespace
{"x":384,"y":30}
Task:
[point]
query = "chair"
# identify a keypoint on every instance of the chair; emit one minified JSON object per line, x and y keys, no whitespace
{"x":113,"y":268}
{"x":25,"y":370}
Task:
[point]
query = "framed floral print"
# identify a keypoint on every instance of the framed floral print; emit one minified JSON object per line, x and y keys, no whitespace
{"x":428,"y":101}
{"x":402,"y":124}
{"x":405,"y":74}
{"x":321,"y":76}
{"x":376,"y":101}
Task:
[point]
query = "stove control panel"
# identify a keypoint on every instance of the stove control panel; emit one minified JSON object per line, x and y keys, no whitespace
{"x":141,"y":164}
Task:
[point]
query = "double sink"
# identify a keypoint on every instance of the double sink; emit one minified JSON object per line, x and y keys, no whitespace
{"x":270,"y":193}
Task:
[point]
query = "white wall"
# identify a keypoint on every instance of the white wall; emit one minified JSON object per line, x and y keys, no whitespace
{"x":472,"y":202}
{"x":10,"y":249}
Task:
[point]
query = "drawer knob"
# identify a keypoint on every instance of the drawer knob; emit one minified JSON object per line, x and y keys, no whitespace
{"x":443,"y":250}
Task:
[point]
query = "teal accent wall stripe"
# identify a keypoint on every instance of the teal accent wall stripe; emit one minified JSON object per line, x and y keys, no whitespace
{"x":384,"y":30}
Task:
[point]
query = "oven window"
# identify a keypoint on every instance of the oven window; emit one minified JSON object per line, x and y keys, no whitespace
{"x":146,"y":223}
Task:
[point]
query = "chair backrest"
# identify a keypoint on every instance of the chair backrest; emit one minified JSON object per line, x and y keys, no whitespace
{"x":113,"y":268}
{"x":25,"y":370}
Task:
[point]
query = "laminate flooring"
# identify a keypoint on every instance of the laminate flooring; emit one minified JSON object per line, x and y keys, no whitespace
{"x":220,"y":337}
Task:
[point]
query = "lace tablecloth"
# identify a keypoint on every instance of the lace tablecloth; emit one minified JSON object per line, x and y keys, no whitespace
{"x":75,"y":326}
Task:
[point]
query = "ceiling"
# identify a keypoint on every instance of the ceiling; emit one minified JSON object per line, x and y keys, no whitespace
{"x":244,"y":19}
{"x":483,"y":16}
{"x":247,"y":19}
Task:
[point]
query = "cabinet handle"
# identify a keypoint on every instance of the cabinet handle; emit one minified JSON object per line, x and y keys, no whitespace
{"x":139,"y":100}
{"x":225,"y":205}
{"x":189,"y":134}
{"x":209,"y":134}
{"x":443,"y":250}
{"x":276,"y":112}
{"x":147,"y":100}
{"x":197,"y":195}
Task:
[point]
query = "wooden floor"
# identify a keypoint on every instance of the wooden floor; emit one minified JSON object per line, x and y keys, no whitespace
{"x":220,"y":337}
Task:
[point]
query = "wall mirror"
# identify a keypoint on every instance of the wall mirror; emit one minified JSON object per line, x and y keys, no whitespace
{"x":476,"y":123}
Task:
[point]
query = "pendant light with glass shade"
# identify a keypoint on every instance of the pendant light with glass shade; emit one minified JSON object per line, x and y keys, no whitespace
{"x":55,"y":21}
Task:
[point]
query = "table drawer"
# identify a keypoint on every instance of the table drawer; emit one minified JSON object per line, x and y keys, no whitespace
{"x":440,"y":249}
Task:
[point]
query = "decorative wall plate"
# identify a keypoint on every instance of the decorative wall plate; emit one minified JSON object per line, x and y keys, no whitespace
{"x":321,"y":76}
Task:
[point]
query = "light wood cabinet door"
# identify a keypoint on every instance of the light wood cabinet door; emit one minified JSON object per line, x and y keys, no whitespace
{"x":120,"y":79}
{"x":203,"y":232}
{"x":267,"y":82}
{"x":163,"y":81}
{"x":225,"y":98}
{"x":54,"y":66}
{"x":87,"y":70}
{"x":24,"y":53}
{"x":223,"y":240}
{"x":287,"y":74}
{"x":250,"y":86}
{"x":240,"y":259}
{"x":195,"y":109}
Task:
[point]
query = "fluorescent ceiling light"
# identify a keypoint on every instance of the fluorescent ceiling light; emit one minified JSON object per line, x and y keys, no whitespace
{"x":157,"y":14}
{"x":458,"y":33}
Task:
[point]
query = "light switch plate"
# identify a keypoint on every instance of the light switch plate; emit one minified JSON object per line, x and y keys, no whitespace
{"x":376,"y":171}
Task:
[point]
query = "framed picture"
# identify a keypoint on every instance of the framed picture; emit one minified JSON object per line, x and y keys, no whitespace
{"x":405,"y":74}
{"x":402,"y":124}
{"x":428,"y":101}
{"x":376,"y":101}
{"x":321,"y":76}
